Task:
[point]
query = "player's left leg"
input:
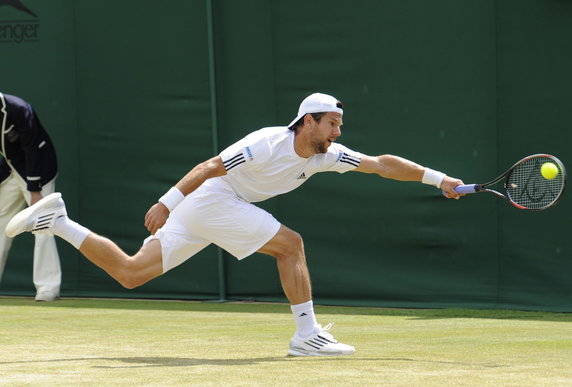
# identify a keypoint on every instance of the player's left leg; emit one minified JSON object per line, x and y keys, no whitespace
{"x":288,"y":249}
{"x":310,"y":338}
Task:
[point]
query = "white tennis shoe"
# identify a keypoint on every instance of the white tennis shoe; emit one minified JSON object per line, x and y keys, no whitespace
{"x":39,"y":217}
{"x":321,"y":343}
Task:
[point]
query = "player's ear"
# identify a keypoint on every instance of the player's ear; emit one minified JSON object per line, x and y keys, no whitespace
{"x":308,"y":119}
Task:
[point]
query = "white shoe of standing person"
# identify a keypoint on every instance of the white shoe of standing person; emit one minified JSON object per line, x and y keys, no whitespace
{"x":46,"y":297}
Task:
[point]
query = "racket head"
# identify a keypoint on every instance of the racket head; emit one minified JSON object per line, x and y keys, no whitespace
{"x":527,"y":189}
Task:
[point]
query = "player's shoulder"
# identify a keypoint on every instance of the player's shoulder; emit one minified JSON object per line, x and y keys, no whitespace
{"x":258,"y":145}
{"x":340,"y":153}
{"x":268,"y":137}
{"x":337,"y":149}
{"x":270,"y":133}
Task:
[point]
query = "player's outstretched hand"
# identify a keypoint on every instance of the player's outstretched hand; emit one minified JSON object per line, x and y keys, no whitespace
{"x":448,"y":187}
{"x":156,"y":217}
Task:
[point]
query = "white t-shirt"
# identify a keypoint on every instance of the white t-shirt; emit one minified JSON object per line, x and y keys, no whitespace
{"x":264,"y":164}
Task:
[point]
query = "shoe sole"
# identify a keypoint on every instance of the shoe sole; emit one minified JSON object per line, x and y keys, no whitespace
{"x":19,"y":221}
{"x":294,"y":352}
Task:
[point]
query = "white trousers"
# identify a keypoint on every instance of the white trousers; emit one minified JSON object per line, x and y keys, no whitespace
{"x":14,"y":196}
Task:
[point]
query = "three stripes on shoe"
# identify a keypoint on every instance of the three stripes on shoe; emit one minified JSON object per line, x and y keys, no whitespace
{"x":43,"y":222}
{"x":319,"y":342}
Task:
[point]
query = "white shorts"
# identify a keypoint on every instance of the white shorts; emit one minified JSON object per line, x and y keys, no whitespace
{"x":213,"y":215}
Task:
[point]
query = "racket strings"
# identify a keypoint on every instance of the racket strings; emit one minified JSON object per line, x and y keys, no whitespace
{"x":527,"y":187}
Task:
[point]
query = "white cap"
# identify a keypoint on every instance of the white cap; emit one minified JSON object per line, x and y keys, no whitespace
{"x":317,"y":103}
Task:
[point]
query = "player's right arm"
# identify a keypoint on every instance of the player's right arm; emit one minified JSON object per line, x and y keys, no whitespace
{"x":398,"y":168}
{"x":159,"y":212}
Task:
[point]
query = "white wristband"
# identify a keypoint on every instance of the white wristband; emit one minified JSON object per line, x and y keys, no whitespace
{"x":172,"y":198}
{"x":433,"y":177}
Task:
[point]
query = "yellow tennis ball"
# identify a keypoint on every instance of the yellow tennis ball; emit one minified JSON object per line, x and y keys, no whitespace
{"x":549,"y":170}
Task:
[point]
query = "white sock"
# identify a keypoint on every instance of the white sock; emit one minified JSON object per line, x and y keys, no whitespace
{"x":305,"y":319}
{"x":70,"y":231}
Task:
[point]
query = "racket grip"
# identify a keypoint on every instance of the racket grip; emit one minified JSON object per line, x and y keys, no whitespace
{"x":466,"y":189}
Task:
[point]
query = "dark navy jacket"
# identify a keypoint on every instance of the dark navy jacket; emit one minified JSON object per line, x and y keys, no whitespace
{"x":25,"y":144}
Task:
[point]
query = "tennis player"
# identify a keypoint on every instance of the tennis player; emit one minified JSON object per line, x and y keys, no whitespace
{"x":213,"y":204}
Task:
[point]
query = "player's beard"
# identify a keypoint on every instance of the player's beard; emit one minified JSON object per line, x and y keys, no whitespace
{"x":321,"y":146}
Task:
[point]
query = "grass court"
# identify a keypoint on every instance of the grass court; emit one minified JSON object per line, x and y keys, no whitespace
{"x":87,"y":342}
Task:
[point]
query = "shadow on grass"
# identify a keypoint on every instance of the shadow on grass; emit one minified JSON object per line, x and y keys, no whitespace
{"x":252,"y":307}
{"x":148,"y":362}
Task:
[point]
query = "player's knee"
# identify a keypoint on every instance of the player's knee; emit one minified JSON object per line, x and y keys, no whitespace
{"x":130,"y":275}
{"x":127,"y":283}
{"x":293,"y":246}
{"x":130,"y":283}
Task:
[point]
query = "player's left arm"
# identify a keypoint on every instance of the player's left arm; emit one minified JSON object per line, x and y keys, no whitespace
{"x":399,"y":168}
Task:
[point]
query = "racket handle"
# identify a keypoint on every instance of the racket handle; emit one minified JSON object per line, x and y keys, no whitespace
{"x":466,"y":189}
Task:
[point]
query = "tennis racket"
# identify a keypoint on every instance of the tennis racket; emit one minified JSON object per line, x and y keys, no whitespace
{"x":523,"y":185}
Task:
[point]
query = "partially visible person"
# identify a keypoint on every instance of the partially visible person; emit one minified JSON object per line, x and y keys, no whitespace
{"x":28,"y":169}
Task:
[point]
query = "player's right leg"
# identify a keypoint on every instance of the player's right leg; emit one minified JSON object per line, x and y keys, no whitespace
{"x":49,"y":215}
{"x":129,"y":271}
